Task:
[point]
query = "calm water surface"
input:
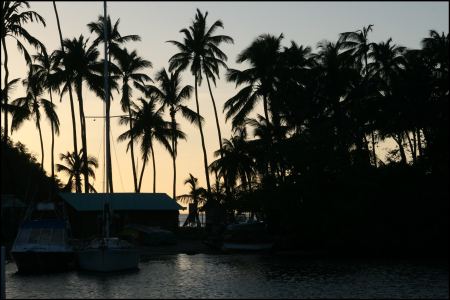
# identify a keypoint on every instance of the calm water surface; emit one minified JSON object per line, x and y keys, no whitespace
{"x":243,"y":276}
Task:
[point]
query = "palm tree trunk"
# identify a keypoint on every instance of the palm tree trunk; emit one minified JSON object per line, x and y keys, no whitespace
{"x":72,"y":109}
{"x":419,"y":142}
{"x":218,"y":133}
{"x":108,"y":107}
{"x":266,"y":110}
{"x":133,"y":165}
{"x":38,"y":125}
{"x":399,"y":141}
{"x":83,"y":138}
{"x":74,"y":131}
{"x":217,"y":119}
{"x":174,"y":151}
{"x":205,"y":158}
{"x":373,"y":149}
{"x":5,"y":64}
{"x":53,"y":140}
{"x":154,"y":168}
{"x":142,"y":174}
{"x":411,"y":147}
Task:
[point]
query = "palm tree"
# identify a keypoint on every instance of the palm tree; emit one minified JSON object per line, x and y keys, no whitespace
{"x":81,"y":65}
{"x":74,"y":166}
{"x":43,"y":68}
{"x":435,"y":47}
{"x":200,"y":51}
{"x":149,"y":126}
{"x":13,"y":20}
{"x":386,"y":66}
{"x":29,"y":107}
{"x":263,"y":149}
{"x":172,"y":95}
{"x":235,"y":162}
{"x":336,"y":75}
{"x":211,"y":55}
{"x":263,"y":56}
{"x":358,"y":44}
{"x":113,"y":40}
{"x":196,"y":196}
{"x":67,"y":80}
{"x":128,"y":68}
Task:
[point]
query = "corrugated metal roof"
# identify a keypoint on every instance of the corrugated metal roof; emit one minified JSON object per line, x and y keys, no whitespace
{"x":121,"y":201}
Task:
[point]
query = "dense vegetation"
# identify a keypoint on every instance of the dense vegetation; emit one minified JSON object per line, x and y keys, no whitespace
{"x":309,"y":166}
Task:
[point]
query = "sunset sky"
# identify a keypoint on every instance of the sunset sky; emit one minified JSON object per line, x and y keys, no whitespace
{"x":306,"y":23}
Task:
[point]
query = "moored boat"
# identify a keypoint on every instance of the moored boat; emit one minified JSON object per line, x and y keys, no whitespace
{"x":108,"y":255}
{"x":42,"y":243}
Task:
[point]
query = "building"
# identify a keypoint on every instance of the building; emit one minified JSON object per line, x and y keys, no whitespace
{"x":150,"y":209}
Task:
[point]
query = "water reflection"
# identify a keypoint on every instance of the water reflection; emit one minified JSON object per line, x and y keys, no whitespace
{"x":242,"y":276}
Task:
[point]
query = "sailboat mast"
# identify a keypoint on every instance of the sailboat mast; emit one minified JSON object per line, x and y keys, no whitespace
{"x":107,"y":99}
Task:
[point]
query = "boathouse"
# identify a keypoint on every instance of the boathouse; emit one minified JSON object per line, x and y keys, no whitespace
{"x":150,"y":209}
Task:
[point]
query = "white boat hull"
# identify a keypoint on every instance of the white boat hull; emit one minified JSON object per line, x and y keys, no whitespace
{"x":108,"y":259}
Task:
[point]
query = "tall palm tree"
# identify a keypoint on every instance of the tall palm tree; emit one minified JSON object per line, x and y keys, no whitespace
{"x":113,"y":41}
{"x":387,"y":64}
{"x":172,"y":95}
{"x":67,"y":80}
{"x":336,"y":77}
{"x":212,"y":58}
{"x":149,"y":126}
{"x":263,"y":56}
{"x":114,"y":38}
{"x":196,"y":196}
{"x":73,"y":165}
{"x":13,"y":19}
{"x":29,"y":107}
{"x":129,"y":66}
{"x":358,"y":44}
{"x":81,"y":66}
{"x":43,"y":68}
{"x":200,"y":51}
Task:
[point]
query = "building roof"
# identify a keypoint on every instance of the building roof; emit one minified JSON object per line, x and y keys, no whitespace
{"x":11,"y":201}
{"x":121,"y":201}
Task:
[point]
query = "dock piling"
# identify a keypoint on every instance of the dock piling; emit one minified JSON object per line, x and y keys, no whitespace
{"x":3,"y":263}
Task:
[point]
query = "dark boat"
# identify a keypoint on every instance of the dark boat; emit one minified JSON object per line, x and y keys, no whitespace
{"x":42,"y":243}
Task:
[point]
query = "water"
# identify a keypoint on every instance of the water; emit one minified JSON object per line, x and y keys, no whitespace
{"x":243,"y":276}
{"x":183,"y":217}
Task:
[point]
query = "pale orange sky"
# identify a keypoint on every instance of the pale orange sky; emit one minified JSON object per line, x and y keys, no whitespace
{"x":156,"y":22}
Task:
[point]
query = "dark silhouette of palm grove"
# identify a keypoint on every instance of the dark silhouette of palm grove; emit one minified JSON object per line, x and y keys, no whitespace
{"x":309,"y":166}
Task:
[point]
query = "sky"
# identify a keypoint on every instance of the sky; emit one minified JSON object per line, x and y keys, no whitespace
{"x":306,"y":23}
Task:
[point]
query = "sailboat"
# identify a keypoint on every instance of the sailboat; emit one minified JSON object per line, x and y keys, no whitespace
{"x":108,"y":254}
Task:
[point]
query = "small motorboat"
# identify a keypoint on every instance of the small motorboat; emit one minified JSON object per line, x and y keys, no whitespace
{"x":42,"y":245}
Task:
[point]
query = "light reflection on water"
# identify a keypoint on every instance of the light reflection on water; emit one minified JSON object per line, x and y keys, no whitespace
{"x":242,"y":276}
